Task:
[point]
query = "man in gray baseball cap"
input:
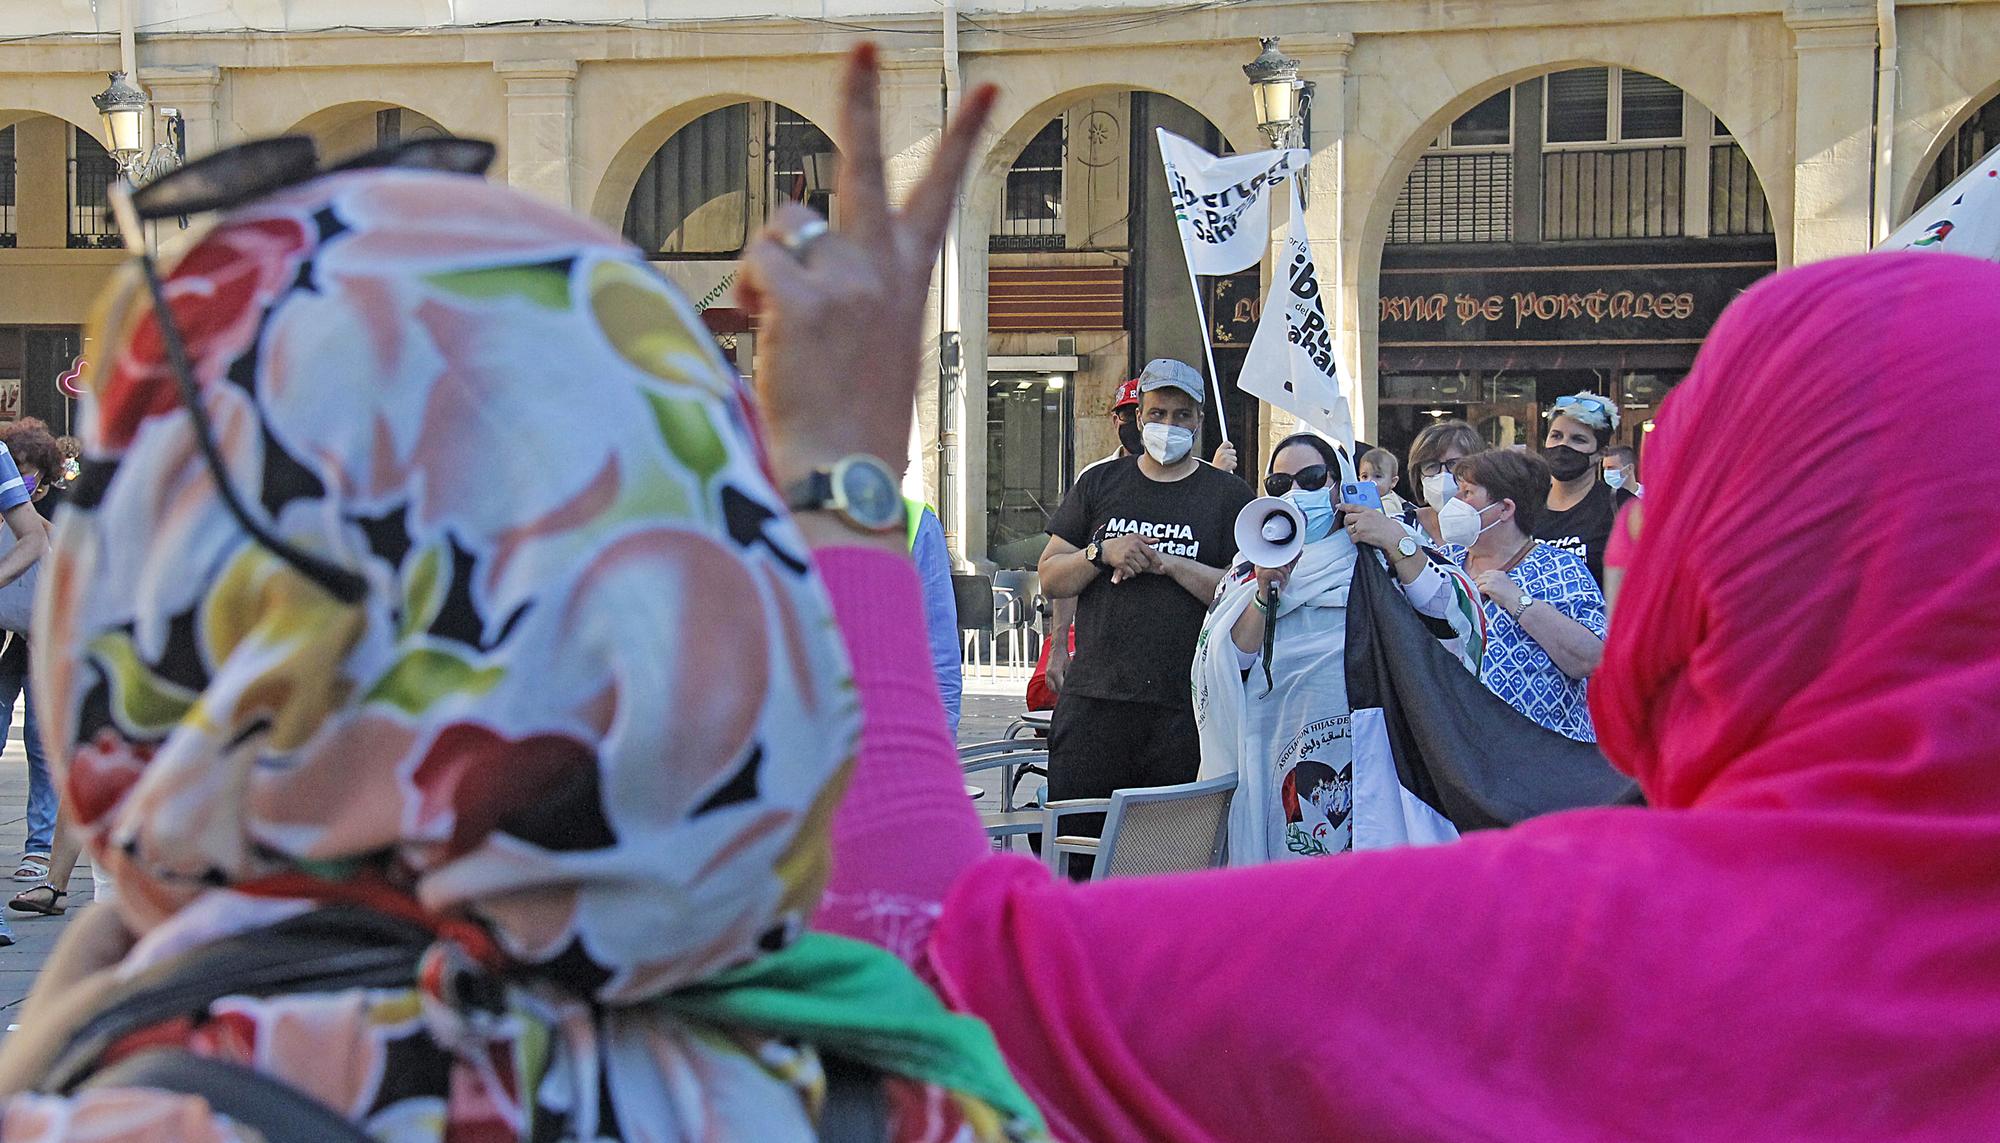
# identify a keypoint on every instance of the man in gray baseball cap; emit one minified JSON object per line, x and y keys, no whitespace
{"x":1166,"y":373}
{"x":1140,"y":544}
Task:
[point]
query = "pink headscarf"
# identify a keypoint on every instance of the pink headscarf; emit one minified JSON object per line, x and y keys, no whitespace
{"x":1799,"y":940}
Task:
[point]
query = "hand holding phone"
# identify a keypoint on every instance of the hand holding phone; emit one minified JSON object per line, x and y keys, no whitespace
{"x":1361,"y":492}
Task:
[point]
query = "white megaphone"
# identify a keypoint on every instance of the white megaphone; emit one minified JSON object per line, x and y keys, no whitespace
{"x":1270,"y":532}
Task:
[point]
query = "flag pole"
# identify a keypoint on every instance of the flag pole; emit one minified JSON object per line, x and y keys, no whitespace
{"x":1207,"y":346}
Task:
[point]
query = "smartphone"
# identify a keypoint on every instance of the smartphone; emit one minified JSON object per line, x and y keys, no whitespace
{"x":1361,"y":492}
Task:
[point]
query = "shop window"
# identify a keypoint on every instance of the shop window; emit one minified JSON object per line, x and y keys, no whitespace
{"x":1031,"y":210}
{"x":1028,"y":418}
{"x":7,"y":192}
{"x":1578,"y":104}
{"x":91,"y":173}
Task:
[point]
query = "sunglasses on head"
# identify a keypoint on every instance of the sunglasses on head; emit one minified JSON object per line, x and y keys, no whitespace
{"x":230,"y":178}
{"x":1310,"y":479}
{"x":1597,"y":405}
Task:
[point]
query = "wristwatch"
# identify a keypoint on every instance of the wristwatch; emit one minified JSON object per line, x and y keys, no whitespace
{"x":858,"y":488}
{"x":1527,"y":601}
{"x":1405,"y":548}
{"x":1092,"y":551}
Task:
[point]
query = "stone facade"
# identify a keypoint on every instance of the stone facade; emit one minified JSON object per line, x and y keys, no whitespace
{"x":578,"y":105}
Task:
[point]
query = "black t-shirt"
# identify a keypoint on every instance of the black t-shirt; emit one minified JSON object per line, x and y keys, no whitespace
{"x":1135,"y":640}
{"x":1585,"y":528}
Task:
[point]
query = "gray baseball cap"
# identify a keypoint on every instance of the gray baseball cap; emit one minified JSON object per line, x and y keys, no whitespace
{"x":1166,"y":373}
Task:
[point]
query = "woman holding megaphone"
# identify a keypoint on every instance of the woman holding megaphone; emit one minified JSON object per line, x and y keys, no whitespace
{"x":1270,"y":680}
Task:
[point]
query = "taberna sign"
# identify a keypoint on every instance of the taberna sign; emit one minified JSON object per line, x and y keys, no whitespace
{"x":1485,"y":300}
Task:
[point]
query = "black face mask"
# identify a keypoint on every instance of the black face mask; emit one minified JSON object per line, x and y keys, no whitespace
{"x":1566,"y":462}
{"x":1131,"y":437}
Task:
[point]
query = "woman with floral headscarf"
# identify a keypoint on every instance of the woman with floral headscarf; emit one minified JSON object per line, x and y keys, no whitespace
{"x":586,"y":722}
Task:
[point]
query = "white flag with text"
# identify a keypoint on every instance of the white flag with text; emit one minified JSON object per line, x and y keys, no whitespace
{"x":1219,"y":203}
{"x":1292,"y":362}
{"x":1963,"y":219}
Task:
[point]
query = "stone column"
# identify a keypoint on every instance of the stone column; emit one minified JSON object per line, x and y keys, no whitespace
{"x":541,"y":121}
{"x":194,"y":91}
{"x":1833,"y":128}
{"x":1333,"y":220}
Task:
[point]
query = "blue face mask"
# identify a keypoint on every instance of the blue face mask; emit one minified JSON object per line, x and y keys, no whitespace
{"x":1317,"y":506}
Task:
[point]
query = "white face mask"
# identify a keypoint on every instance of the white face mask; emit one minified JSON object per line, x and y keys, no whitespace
{"x":1615,"y":477}
{"x":1460,"y":523}
{"x":1439,"y":489}
{"x":1168,"y":444}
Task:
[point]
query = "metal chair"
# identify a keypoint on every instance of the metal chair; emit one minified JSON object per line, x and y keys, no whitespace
{"x":973,"y":597}
{"x":1162,"y":829}
{"x":1015,"y":759}
{"x":1023,"y":606}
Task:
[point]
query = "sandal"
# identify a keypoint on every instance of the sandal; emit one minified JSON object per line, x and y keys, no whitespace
{"x":26,"y":901}
{"x":33,"y":867}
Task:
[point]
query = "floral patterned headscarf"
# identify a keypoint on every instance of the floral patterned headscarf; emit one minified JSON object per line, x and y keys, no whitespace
{"x":594,"y":699}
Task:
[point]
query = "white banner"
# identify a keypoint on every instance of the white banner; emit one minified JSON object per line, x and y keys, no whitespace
{"x":1963,"y":219}
{"x":1220,"y":205}
{"x":1292,"y":362}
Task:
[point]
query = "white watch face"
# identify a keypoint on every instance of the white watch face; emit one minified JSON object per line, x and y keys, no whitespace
{"x":1406,"y":546}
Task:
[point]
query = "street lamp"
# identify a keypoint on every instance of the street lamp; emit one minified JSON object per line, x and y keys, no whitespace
{"x":124,"y":106}
{"x":1281,"y":97}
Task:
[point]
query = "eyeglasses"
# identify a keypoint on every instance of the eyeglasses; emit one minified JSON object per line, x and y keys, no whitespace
{"x":1310,"y":479}
{"x":230,"y":178}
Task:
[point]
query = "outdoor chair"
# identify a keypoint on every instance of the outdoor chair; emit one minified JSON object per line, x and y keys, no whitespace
{"x":1018,"y":596}
{"x":976,"y":603}
{"x":1015,"y":758}
{"x":1162,"y":829}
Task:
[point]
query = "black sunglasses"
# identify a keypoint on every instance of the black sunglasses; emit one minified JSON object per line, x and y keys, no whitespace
{"x":1309,"y":479}
{"x":232,"y":177}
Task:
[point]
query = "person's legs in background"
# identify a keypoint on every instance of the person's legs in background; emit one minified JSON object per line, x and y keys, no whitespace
{"x":1093,"y":750}
{"x":1171,"y":753}
{"x":49,"y":899}
{"x":41,"y":790}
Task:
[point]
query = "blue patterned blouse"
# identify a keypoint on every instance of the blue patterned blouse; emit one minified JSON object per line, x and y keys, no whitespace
{"x":1516,"y":668}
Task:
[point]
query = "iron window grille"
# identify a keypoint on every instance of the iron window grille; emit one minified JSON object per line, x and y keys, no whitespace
{"x":92,"y":170}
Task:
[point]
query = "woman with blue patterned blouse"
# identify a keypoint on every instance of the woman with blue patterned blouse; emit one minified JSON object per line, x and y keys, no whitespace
{"x":1544,"y":609}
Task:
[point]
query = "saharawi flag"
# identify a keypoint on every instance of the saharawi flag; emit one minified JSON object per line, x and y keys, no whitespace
{"x":1292,"y":363}
{"x":1219,"y":203}
{"x":1963,"y":219}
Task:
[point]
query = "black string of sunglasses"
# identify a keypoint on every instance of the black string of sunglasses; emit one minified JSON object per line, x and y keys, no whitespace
{"x":232,"y":177}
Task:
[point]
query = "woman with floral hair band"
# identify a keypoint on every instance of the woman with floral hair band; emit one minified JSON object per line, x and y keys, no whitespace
{"x":586,"y":722}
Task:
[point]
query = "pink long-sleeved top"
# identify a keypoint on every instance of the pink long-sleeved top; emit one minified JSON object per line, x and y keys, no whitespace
{"x":1725,"y":971}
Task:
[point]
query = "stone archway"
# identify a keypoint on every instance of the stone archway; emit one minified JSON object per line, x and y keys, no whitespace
{"x":348,"y":129}
{"x":1967,"y":138}
{"x":1658,"y":199}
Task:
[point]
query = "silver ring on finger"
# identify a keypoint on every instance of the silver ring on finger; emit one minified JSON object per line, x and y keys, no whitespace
{"x":799,"y":243}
